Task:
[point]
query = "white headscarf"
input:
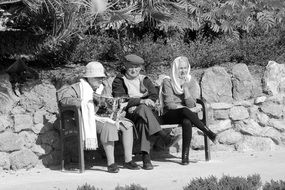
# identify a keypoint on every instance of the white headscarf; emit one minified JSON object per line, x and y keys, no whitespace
{"x":175,"y":81}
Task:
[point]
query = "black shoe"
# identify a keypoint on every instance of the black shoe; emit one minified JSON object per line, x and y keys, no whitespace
{"x":185,"y":154}
{"x":146,"y":162}
{"x":172,"y":140}
{"x":131,"y":165}
{"x":213,"y":137}
{"x":113,"y":168}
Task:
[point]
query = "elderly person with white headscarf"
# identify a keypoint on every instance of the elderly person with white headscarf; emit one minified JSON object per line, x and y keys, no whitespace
{"x":179,"y":93}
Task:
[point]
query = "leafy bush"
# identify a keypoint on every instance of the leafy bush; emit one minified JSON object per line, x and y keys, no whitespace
{"x":274,"y":185}
{"x":203,"y":52}
{"x":203,"y":184}
{"x":100,"y":47}
{"x":131,"y":187}
{"x":225,"y":183}
{"x":87,"y":187}
{"x":254,"y":48}
{"x":53,"y":52}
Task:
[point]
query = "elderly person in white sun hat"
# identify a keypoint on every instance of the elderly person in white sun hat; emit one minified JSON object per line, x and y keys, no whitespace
{"x":82,"y":94}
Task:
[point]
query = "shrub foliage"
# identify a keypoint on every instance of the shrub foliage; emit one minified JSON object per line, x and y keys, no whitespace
{"x":225,"y":183}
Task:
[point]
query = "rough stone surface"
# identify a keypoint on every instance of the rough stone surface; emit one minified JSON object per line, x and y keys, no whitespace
{"x":51,"y":138}
{"x":7,"y":97}
{"x":238,"y":113}
{"x":229,"y":137}
{"x":23,"y":122}
{"x":38,"y":128}
{"x":249,"y":127}
{"x":274,"y":78}
{"x":40,"y":150}
{"x":51,"y":159}
{"x":24,"y":158}
{"x":216,"y":85}
{"x":245,"y":103}
{"x":223,"y":147}
{"x":255,"y":144}
{"x":18,"y":110}
{"x":253,"y":111}
{"x":39,"y":96}
{"x":29,"y":138}
{"x":221,"y":126}
{"x":39,"y":116}
{"x":272,"y":133}
{"x":221,"y":106}
{"x":242,"y":82}
{"x":221,"y":114}
{"x":273,"y":109}
{"x":277,"y":124}
{"x":4,"y":161}
{"x":10,"y":142}
{"x":197,"y":142}
{"x":50,"y":122}
{"x":4,"y":122}
{"x":262,"y":118}
{"x":278,"y":99}
{"x":260,"y":99}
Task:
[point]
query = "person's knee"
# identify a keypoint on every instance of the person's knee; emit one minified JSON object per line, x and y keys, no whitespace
{"x":141,"y":125}
{"x":143,"y":107}
{"x":187,"y":112}
{"x":186,"y":122}
{"x":126,"y":130}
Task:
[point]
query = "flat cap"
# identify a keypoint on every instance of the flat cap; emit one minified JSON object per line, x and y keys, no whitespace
{"x":134,"y":60}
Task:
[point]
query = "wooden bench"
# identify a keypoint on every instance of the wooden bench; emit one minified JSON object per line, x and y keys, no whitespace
{"x":67,"y":131}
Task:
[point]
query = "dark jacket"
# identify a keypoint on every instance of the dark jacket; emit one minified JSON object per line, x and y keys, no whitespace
{"x":119,"y":89}
{"x":70,"y":95}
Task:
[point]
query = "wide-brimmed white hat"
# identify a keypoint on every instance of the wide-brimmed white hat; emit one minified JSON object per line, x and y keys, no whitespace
{"x":94,"y":69}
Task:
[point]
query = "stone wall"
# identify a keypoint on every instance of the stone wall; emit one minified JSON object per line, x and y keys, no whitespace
{"x":246,"y":113}
{"x":28,"y":135}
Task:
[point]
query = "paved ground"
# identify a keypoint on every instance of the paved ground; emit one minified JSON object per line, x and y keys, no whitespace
{"x":168,"y":173}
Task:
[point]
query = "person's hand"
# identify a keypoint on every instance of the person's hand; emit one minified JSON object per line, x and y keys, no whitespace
{"x":77,"y":103}
{"x":132,"y":109}
{"x":179,"y":106}
{"x":148,"y":102}
{"x":184,"y":84}
{"x":123,"y":105}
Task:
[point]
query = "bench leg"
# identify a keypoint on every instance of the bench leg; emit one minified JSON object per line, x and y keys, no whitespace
{"x":81,"y":151}
{"x":207,"y":148}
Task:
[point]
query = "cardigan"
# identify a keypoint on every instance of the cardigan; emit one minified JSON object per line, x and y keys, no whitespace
{"x":171,"y":100}
{"x":119,"y":89}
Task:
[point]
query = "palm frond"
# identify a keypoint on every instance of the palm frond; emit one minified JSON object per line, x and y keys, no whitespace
{"x":266,"y":19}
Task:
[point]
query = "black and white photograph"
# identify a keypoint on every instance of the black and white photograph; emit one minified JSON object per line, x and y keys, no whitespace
{"x":142,"y":94}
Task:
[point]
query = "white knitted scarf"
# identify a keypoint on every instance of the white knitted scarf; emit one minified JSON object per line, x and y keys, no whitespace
{"x":88,"y":116}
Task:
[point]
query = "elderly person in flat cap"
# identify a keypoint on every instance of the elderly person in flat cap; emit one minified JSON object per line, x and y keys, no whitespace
{"x":142,"y":96}
{"x":84,"y":94}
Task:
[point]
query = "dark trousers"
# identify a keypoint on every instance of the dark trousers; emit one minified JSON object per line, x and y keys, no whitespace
{"x":146,"y":124}
{"x":186,"y":118}
{"x":178,"y":115}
